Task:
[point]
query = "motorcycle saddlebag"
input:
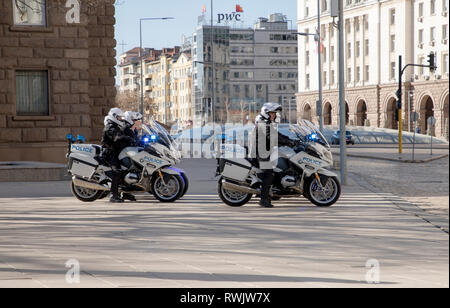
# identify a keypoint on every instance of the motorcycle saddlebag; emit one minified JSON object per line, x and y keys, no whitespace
{"x":237,"y":170}
{"x":82,"y":165}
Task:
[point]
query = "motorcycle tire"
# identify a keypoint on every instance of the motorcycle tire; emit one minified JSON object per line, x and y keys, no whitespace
{"x":226,"y":197}
{"x":85,"y":194}
{"x":175,"y":195}
{"x":186,"y":184}
{"x":323,"y":203}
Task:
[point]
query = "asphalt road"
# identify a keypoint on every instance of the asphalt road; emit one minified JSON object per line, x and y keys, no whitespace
{"x":46,"y":235}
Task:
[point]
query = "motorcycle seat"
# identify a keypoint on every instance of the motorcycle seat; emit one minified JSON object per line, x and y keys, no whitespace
{"x":253,"y":161}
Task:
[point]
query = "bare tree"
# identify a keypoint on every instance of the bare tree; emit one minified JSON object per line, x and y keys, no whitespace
{"x":128,"y":101}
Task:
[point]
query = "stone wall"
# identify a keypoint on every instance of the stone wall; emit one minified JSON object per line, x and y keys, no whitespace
{"x":80,"y":60}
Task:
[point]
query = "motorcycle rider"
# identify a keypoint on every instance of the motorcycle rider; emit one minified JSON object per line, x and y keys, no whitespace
{"x":114,"y":140}
{"x":135,"y":120}
{"x":265,"y":137}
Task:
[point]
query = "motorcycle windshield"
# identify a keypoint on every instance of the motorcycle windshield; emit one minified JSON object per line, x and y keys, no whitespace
{"x":158,"y":134}
{"x":307,"y":132}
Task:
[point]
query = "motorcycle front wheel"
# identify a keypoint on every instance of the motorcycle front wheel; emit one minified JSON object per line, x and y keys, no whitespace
{"x":233,"y":198}
{"x":169,"y":190}
{"x":323,"y":196}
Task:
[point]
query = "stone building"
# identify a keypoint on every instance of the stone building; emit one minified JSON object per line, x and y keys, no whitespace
{"x":376,"y":32}
{"x":57,"y":75}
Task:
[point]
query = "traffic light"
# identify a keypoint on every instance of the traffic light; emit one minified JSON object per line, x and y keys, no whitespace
{"x":398,"y":104}
{"x":432,"y":61}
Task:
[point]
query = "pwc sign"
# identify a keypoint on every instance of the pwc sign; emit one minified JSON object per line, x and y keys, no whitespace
{"x":236,"y":16}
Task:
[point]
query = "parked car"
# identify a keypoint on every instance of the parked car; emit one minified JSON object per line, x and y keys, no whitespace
{"x":335,"y":139}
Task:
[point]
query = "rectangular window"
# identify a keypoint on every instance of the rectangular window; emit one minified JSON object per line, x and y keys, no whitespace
{"x":349,"y":50}
{"x":332,"y":53}
{"x":332,"y":80}
{"x":432,"y":7}
{"x":358,"y":74}
{"x":307,"y":82}
{"x":366,"y":22}
{"x":421,"y":9}
{"x":29,"y":12}
{"x":392,"y":43}
{"x":324,"y":53}
{"x":357,"y":48}
{"x":392,"y":17}
{"x":392,"y":71}
{"x":421,"y":69}
{"x":324,"y":6}
{"x":366,"y":47}
{"x":444,"y":5}
{"x":432,"y":34}
{"x":444,"y":32}
{"x":445,"y":64}
{"x":366,"y":74}
{"x":349,"y":75}
{"x":325,"y":81}
{"x":32,"y":93}
{"x":421,"y":36}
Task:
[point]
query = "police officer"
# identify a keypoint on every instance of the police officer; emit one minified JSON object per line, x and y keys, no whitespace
{"x":265,"y":138}
{"x":114,"y":140}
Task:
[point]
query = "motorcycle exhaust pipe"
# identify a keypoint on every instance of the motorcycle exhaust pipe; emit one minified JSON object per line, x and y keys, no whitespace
{"x":82,"y":183}
{"x":238,"y":188}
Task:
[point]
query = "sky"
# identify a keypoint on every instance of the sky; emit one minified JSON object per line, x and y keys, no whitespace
{"x":168,"y":33}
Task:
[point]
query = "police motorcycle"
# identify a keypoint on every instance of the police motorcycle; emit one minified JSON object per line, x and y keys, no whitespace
{"x":301,"y":170}
{"x":149,"y":167}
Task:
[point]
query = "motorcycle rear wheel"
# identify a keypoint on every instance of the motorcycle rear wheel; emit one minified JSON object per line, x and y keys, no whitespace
{"x":233,"y":198}
{"x":86,"y":194}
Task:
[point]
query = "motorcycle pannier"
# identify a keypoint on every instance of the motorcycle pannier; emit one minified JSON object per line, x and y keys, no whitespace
{"x":236,"y":171}
{"x":82,"y":166}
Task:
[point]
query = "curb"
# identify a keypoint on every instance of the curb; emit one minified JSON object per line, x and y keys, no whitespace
{"x":32,"y":172}
{"x":401,"y":160}
{"x":417,"y":161}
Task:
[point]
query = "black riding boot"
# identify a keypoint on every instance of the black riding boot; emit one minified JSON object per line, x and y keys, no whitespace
{"x":115,"y":197}
{"x":267,"y":180}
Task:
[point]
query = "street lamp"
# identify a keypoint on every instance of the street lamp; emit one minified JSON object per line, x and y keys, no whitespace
{"x":319,"y":64}
{"x":140,"y":59}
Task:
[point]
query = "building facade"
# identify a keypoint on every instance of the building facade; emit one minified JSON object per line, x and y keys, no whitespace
{"x":251,"y":66}
{"x":182,"y":108}
{"x":376,"y":32}
{"x":57,"y":76}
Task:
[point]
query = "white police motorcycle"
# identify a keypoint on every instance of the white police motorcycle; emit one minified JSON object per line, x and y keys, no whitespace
{"x":149,"y":167}
{"x":301,"y":170}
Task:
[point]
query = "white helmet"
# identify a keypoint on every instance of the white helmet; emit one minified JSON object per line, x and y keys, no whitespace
{"x":117,"y":116}
{"x":132,"y":116}
{"x":270,"y":107}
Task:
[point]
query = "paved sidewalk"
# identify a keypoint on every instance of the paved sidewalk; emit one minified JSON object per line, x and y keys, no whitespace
{"x":201,"y":243}
{"x":422,"y":153}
